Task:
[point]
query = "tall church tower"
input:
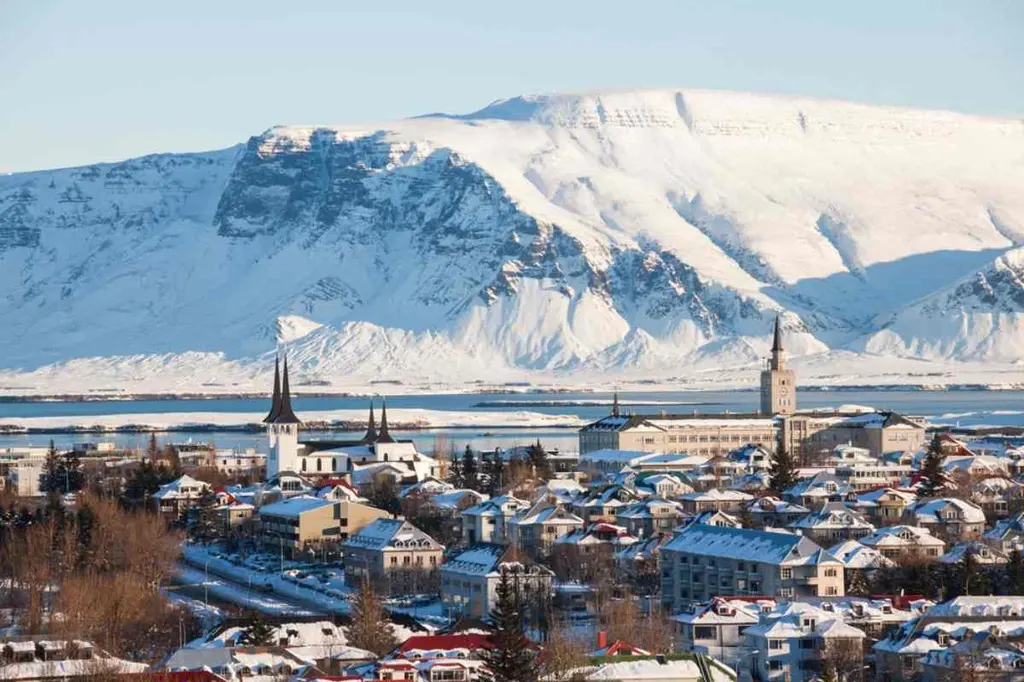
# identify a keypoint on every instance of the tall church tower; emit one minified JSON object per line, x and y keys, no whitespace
{"x":778,"y":384}
{"x":282,"y":428}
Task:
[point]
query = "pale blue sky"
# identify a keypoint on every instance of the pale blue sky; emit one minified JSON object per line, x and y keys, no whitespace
{"x":105,"y":80}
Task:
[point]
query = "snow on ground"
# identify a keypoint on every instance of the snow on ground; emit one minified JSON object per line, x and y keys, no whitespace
{"x":168,"y":421}
{"x":227,"y":591}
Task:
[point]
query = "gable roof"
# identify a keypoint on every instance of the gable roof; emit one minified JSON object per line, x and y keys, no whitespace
{"x":744,"y":544}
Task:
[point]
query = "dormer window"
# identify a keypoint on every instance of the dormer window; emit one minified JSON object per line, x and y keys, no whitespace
{"x":942,"y":638}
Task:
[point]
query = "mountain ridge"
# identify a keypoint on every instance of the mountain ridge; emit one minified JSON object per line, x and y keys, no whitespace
{"x":646,"y":232}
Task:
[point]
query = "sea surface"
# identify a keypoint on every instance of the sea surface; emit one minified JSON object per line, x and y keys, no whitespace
{"x":963,"y":408}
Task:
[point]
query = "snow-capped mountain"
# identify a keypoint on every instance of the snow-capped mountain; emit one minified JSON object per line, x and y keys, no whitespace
{"x":645,"y":234}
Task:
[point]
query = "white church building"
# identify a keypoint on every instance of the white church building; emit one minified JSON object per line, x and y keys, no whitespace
{"x":359,"y":460}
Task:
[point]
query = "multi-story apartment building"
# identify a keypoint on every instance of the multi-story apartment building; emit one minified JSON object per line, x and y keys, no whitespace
{"x":387,"y":545}
{"x":707,"y":561}
{"x":290,"y":525}
{"x":488,"y":520}
{"x":469,"y":580}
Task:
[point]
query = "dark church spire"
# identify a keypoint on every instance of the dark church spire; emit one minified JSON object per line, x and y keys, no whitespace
{"x":285,"y":414}
{"x":371,"y":428}
{"x":275,"y":401}
{"x":615,"y":405}
{"x":383,"y":436}
{"x":777,"y":341}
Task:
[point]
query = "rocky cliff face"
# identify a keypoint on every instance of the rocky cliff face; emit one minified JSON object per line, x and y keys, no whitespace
{"x":634,"y":232}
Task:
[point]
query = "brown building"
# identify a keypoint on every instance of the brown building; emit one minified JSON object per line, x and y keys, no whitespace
{"x":388,"y":545}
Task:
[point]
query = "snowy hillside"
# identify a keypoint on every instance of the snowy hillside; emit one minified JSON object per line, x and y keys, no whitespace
{"x":571,"y":237}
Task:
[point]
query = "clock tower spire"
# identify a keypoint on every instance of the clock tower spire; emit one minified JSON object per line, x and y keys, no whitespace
{"x":778,"y":384}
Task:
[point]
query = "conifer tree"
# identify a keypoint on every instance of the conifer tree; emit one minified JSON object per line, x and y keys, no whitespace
{"x":71,"y":472}
{"x":933,"y":478}
{"x":539,"y":460}
{"x":1015,"y":573}
{"x":207,"y":524}
{"x":257,"y":632}
{"x":782,"y":473}
{"x":470,"y":477}
{"x":48,"y":479}
{"x":512,"y":658}
{"x":495,"y":470}
{"x":455,"y":475}
{"x":370,"y":628}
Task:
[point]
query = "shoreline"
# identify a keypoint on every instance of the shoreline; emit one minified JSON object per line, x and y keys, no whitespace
{"x":497,"y":390}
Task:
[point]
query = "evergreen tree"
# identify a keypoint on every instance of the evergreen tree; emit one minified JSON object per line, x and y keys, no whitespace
{"x":1014,"y":574}
{"x":829,"y":672}
{"x":495,"y":470}
{"x":48,"y":479}
{"x":71,"y":472}
{"x":258,"y":632}
{"x":207,"y":524}
{"x":384,"y":494}
{"x":933,"y":479}
{"x":455,"y":476}
{"x":370,"y":628}
{"x":782,"y":473}
{"x":152,"y":448}
{"x":470,"y":477}
{"x":539,"y":460}
{"x":512,"y":659}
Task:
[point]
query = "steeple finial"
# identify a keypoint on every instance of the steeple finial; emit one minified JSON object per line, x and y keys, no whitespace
{"x":615,"y":405}
{"x":383,"y":436}
{"x":371,"y":428}
{"x":285,"y":414}
{"x":777,"y":341}
{"x":275,"y":400}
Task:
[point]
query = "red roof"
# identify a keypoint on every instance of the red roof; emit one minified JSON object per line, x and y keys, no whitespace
{"x":447,"y":642}
{"x":176,"y":676}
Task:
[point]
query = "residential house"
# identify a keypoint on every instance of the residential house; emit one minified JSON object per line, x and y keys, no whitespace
{"x":602,"y":504}
{"x":535,"y":530}
{"x":883,"y":506}
{"x":791,"y":644}
{"x":986,"y":656}
{"x":661,"y":484}
{"x":902,"y":656}
{"x":772,"y":512}
{"x":981,"y":554}
{"x":488,"y":521}
{"x":173,"y":499}
{"x":437,"y":658}
{"x":1007,"y":535}
{"x":948,"y":517}
{"x":859,"y":557}
{"x":702,"y":562}
{"x":901,"y":542}
{"x":717,"y":628}
{"x":650,"y":516}
{"x":387,"y":545}
{"x":833,"y":523}
{"x":817,"y":491}
{"x":469,"y":579}
{"x":731,"y":501}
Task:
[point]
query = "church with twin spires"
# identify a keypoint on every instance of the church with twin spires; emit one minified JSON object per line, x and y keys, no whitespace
{"x":377,"y":452}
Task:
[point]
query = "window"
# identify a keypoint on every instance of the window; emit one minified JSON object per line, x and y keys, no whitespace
{"x":705,"y":632}
{"x":787,"y":573}
{"x":774,"y":644}
{"x":806,"y":643}
{"x":830,"y":573}
{"x":775,"y":665}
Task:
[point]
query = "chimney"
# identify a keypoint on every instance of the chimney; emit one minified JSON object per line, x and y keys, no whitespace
{"x":602,"y":639}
